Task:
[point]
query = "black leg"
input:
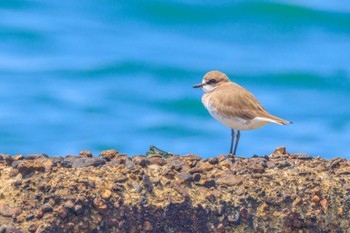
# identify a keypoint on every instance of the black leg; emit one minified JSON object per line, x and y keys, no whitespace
{"x":232,"y":139}
{"x":237,"y":140}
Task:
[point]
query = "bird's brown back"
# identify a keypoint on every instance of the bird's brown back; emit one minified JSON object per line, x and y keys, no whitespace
{"x":232,"y":100}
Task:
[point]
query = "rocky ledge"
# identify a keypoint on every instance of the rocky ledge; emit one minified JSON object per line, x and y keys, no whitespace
{"x":163,"y":192}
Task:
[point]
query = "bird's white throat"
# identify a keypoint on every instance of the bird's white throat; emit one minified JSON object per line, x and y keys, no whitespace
{"x":208,"y":88}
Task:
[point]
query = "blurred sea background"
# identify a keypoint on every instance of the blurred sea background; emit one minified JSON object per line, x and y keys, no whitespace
{"x":108,"y":74}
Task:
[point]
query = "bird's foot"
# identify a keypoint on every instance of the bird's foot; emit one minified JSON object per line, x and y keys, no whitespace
{"x":230,"y":155}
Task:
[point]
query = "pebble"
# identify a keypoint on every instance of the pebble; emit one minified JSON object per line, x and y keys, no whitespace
{"x":18,"y":157}
{"x":116,"y":162}
{"x":303,"y":156}
{"x":87,"y":162}
{"x":222,"y":157}
{"x":221,"y":209}
{"x":69,"y":204}
{"x":283,"y":164}
{"x":157,"y":160}
{"x":226,"y":163}
{"x":178,"y":164}
{"x":130,"y":164}
{"x":33,"y":227}
{"x":35,"y":156}
{"x":15,"y":164}
{"x":297,"y":201}
{"x":11,"y":229}
{"x":68,"y":160}
{"x":7,"y":158}
{"x":109,"y":154}
{"x":91,"y":183}
{"x":28,"y":167}
{"x":207,"y":166}
{"x":8,"y":211}
{"x":192,"y":157}
{"x":281,"y":150}
{"x":39,"y":214}
{"x":141,"y":160}
{"x":233,"y":218}
{"x":121,"y":179}
{"x":195,"y":170}
{"x":315,"y":199}
{"x":324,"y":204}
{"x":3,"y":228}
{"x":100,"y":205}
{"x":106,"y":194}
{"x":167,"y":171}
{"x":14,"y":172}
{"x":146,"y":181}
{"x":62,"y":211}
{"x":105,"y":158}
{"x":56,"y":159}
{"x":343,"y":171}
{"x":70,"y":226}
{"x":213,"y":160}
{"x":244,"y":212}
{"x":155,"y":180}
{"x":78,"y":209}
{"x":207,"y":183}
{"x":184,"y":177}
{"x":238,"y":166}
{"x":240,"y":191}
{"x":17,"y":183}
{"x":229,"y":181}
{"x":47,"y":207}
{"x":137,"y":186}
{"x":336,"y":162}
{"x":147,"y":226}
{"x":180,"y":189}
{"x":196,"y":177}
{"x":258,"y":168}
{"x":29,"y":217}
{"x":85,"y":154}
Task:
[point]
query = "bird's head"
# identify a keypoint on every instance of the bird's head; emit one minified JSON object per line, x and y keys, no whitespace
{"x":212,"y":80}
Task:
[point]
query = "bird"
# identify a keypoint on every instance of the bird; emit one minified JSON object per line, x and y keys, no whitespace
{"x":234,"y":106}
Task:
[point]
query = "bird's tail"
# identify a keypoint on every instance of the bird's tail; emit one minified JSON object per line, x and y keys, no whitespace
{"x":285,"y":122}
{"x":280,"y":121}
{"x":276,"y":120}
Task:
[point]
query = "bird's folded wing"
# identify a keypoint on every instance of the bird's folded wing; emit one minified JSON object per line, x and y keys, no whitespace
{"x":236,"y":103}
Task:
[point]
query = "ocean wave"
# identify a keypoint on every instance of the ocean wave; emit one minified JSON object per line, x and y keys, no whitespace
{"x":165,"y":13}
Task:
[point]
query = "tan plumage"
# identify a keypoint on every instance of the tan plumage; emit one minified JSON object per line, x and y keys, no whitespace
{"x":231,"y":100}
{"x":233,"y":105}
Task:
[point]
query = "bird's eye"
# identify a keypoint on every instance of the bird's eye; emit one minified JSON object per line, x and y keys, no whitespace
{"x":212,"y":81}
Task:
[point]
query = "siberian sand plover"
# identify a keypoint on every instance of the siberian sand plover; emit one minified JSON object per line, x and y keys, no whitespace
{"x":234,"y":106}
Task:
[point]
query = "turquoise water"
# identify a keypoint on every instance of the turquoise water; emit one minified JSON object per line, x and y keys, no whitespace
{"x":96,"y":75}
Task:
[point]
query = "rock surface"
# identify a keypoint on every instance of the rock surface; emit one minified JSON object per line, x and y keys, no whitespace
{"x":164,"y":192}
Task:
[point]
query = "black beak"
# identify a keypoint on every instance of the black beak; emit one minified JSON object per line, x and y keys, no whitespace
{"x":199,"y":85}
